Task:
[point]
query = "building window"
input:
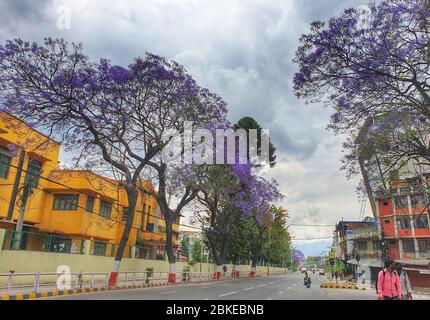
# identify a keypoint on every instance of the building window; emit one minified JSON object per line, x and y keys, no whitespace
{"x":90,"y":204}
{"x":376,"y":245}
{"x":401,"y":202}
{"x":5,"y":160}
{"x":387,"y":221}
{"x":424,"y":245}
{"x":404,"y":223}
{"x":105,"y":209}
{"x":66,"y":201}
{"x":34,"y":169}
{"x":408,"y":245}
{"x":421,"y":222}
{"x":385,"y":203}
{"x":142,"y":226}
{"x":99,"y":249}
{"x":124,"y":214}
{"x":362,"y":245}
{"x":418,"y":201}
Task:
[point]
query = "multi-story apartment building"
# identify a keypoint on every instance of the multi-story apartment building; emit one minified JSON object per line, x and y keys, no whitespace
{"x":68,"y":207}
{"x":356,"y":244}
{"x":400,"y":206}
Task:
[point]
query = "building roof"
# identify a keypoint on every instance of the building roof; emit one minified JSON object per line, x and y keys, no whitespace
{"x":346,"y":223}
{"x":25,"y":123}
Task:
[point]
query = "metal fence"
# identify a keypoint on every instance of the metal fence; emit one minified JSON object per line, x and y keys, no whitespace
{"x":18,"y":283}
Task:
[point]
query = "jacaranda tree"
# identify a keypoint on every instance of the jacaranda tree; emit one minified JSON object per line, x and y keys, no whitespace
{"x":372,"y":65}
{"x":110,"y":117}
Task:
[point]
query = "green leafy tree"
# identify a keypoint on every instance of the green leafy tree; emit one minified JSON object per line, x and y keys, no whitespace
{"x":185,"y":246}
{"x":196,"y":252}
{"x":277,"y":246}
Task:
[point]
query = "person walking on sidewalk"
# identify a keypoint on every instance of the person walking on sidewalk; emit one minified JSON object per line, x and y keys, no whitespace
{"x":404,"y":282}
{"x":388,"y":286}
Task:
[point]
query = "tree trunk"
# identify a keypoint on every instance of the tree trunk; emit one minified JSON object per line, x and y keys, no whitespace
{"x":254,"y":264}
{"x":218,"y":256}
{"x":132,"y":200}
{"x":169,"y":248}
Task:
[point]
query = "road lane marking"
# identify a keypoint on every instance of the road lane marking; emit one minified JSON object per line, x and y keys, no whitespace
{"x":168,"y":292}
{"x":271,"y":282}
{"x":288,"y":288}
{"x":281,"y":292}
{"x":205,"y":288}
{"x":250,"y":288}
{"x":205,"y":299}
{"x":269,"y":299}
{"x":227,"y":294}
{"x":261,"y":285}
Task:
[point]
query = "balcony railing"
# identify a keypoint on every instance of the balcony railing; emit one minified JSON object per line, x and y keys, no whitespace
{"x":416,"y":255}
{"x":364,"y":234}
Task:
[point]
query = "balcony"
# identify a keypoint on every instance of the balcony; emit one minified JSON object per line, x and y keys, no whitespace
{"x":416,"y":255}
{"x":369,"y":253}
{"x":368,"y":233}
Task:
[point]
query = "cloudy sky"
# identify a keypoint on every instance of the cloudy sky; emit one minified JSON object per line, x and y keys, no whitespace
{"x":240,"y":49}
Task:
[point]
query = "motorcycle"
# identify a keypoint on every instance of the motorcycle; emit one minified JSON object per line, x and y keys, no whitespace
{"x":307,"y":282}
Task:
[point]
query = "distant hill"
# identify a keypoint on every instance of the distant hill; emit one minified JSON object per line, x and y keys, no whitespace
{"x":313,"y":248}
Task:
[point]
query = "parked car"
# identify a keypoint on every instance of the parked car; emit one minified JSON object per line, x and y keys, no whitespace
{"x":322,"y":272}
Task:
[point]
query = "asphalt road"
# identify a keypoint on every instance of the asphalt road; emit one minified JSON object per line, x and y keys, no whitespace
{"x":280,"y":287}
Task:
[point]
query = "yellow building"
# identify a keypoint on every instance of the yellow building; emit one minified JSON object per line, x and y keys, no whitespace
{"x":69,"y":207}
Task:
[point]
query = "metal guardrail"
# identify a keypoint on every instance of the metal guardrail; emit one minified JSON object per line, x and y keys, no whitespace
{"x":37,"y":282}
{"x":11,"y":283}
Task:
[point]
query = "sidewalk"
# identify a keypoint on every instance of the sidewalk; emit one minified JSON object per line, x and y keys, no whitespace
{"x":24,"y":293}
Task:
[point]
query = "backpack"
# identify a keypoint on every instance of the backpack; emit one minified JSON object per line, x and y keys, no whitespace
{"x":377,"y":280}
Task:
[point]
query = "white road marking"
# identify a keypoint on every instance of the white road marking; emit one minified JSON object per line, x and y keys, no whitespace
{"x":261,"y":285}
{"x":281,"y":292}
{"x":288,"y":288}
{"x":250,"y":288}
{"x":227,"y":294}
{"x":269,"y":299}
{"x":205,"y":288}
{"x":271,"y":282}
{"x":168,"y":292}
{"x":205,"y":299}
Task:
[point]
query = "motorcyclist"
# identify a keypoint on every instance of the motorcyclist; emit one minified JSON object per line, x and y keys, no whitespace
{"x":307,"y":280}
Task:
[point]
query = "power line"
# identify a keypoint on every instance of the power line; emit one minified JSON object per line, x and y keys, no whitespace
{"x":312,"y":238}
{"x":310,"y":225}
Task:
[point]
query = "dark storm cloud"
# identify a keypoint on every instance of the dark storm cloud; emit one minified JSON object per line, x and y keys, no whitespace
{"x":241,"y":50}
{"x":15,"y":13}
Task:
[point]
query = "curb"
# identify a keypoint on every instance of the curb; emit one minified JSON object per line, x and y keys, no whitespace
{"x":55,"y":293}
{"x":340,"y":286}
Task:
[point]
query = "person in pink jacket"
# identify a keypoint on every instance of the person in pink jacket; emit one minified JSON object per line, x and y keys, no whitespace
{"x":389,"y":287}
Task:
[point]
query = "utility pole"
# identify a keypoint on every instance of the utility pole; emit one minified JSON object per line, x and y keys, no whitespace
{"x":26,"y":192}
{"x":16,"y":185}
